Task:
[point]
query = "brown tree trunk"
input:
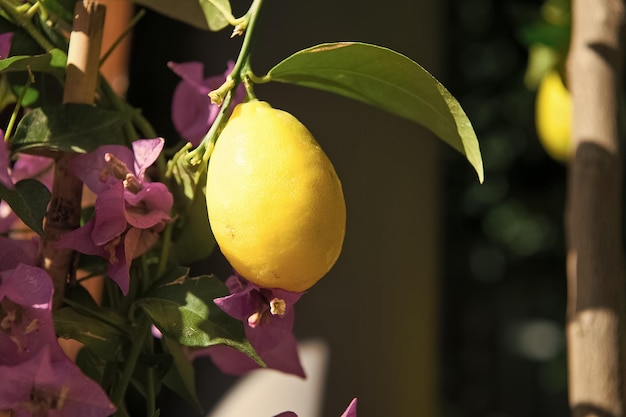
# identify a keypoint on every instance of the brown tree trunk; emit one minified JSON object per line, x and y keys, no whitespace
{"x":595,"y":260}
{"x":80,"y":87}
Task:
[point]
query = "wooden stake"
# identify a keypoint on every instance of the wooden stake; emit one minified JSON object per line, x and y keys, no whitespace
{"x":80,"y":87}
{"x":595,"y":260}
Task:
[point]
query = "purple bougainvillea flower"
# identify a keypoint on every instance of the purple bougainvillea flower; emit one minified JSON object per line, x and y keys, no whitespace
{"x":25,"y":315}
{"x":44,"y":386}
{"x":268,"y":317}
{"x":130,"y":210}
{"x":350,"y":411}
{"x":16,"y":251}
{"x":5,"y":44}
{"x":192,"y":110}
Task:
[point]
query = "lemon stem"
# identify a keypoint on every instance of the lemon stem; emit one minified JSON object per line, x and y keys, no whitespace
{"x":204,"y":149}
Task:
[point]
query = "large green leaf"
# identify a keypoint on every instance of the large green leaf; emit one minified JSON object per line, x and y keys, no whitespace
{"x":203,"y":14}
{"x":52,"y":62}
{"x":182,"y":308}
{"x":29,"y":200}
{"x":104,"y":340}
{"x":68,"y":127}
{"x":388,"y":80}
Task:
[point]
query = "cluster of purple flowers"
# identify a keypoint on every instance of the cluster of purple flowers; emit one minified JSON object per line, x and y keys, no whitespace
{"x":130,"y":212}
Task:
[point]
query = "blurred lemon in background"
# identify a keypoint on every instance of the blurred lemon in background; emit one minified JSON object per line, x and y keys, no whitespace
{"x":553,"y":116}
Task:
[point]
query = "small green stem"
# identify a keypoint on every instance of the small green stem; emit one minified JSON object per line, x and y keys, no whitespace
{"x":165,"y":249}
{"x":22,"y":19}
{"x":203,"y":151}
{"x":120,"y":38}
{"x":9,"y":130}
{"x":137,"y":343}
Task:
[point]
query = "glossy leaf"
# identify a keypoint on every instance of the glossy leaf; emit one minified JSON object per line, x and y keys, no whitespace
{"x":52,"y":62}
{"x":388,"y":80}
{"x":186,"y":11}
{"x":29,"y":200}
{"x":182,"y":308}
{"x":68,"y":127}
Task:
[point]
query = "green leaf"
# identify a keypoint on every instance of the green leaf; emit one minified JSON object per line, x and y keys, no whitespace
{"x":103,"y":339}
{"x":193,"y":239}
{"x":186,"y":11}
{"x":388,"y":80}
{"x":180,"y":377}
{"x":68,"y":127}
{"x":216,"y":12}
{"x":182,"y":308}
{"x":29,"y":200}
{"x":52,"y":62}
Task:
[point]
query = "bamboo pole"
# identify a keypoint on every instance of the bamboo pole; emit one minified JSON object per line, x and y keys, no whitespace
{"x":80,"y":86}
{"x":595,"y":260}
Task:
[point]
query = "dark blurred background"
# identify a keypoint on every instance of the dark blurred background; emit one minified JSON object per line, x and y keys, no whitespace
{"x":449,"y":298}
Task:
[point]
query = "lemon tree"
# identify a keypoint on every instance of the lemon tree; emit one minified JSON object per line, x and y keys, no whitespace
{"x":274,"y":201}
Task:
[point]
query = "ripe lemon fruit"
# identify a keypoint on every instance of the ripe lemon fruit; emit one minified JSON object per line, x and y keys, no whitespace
{"x":274,"y":200}
{"x":553,"y":116}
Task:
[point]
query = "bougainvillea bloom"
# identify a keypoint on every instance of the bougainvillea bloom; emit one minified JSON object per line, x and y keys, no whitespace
{"x":130,"y":210}
{"x":268,"y":317}
{"x":192,"y":110}
{"x":5,"y":44}
{"x":25,"y":315}
{"x":43,"y":386}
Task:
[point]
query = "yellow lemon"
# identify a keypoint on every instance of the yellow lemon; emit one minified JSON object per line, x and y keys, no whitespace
{"x":553,"y":116}
{"x":274,"y":200}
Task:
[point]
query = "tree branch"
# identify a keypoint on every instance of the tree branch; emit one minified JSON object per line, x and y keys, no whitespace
{"x":80,"y":87}
{"x":595,"y":261}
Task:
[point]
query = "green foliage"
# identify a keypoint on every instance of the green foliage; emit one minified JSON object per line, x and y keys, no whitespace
{"x":192,"y":237}
{"x":28,"y":200}
{"x":103,"y":339}
{"x":52,"y":62}
{"x":217,"y":13}
{"x":187,"y":11}
{"x":182,"y":308}
{"x":68,"y":127}
{"x":180,"y":377}
{"x":387,"y":80}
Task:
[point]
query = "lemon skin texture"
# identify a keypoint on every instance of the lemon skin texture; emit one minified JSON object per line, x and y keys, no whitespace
{"x":274,"y":200}
{"x":553,"y":116}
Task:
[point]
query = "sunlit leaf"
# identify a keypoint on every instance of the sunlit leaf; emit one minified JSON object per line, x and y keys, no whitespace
{"x":68,"y":127}
{"x":387,"y":80}
{"x":182,"y":308}
{"x":52,"y":62}
{"x":215,"y":12}
{"x":29,"y":200}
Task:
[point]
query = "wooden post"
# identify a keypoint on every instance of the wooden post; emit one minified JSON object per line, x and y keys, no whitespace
{"x":80,"y":86}
{"x":595,"y":261}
